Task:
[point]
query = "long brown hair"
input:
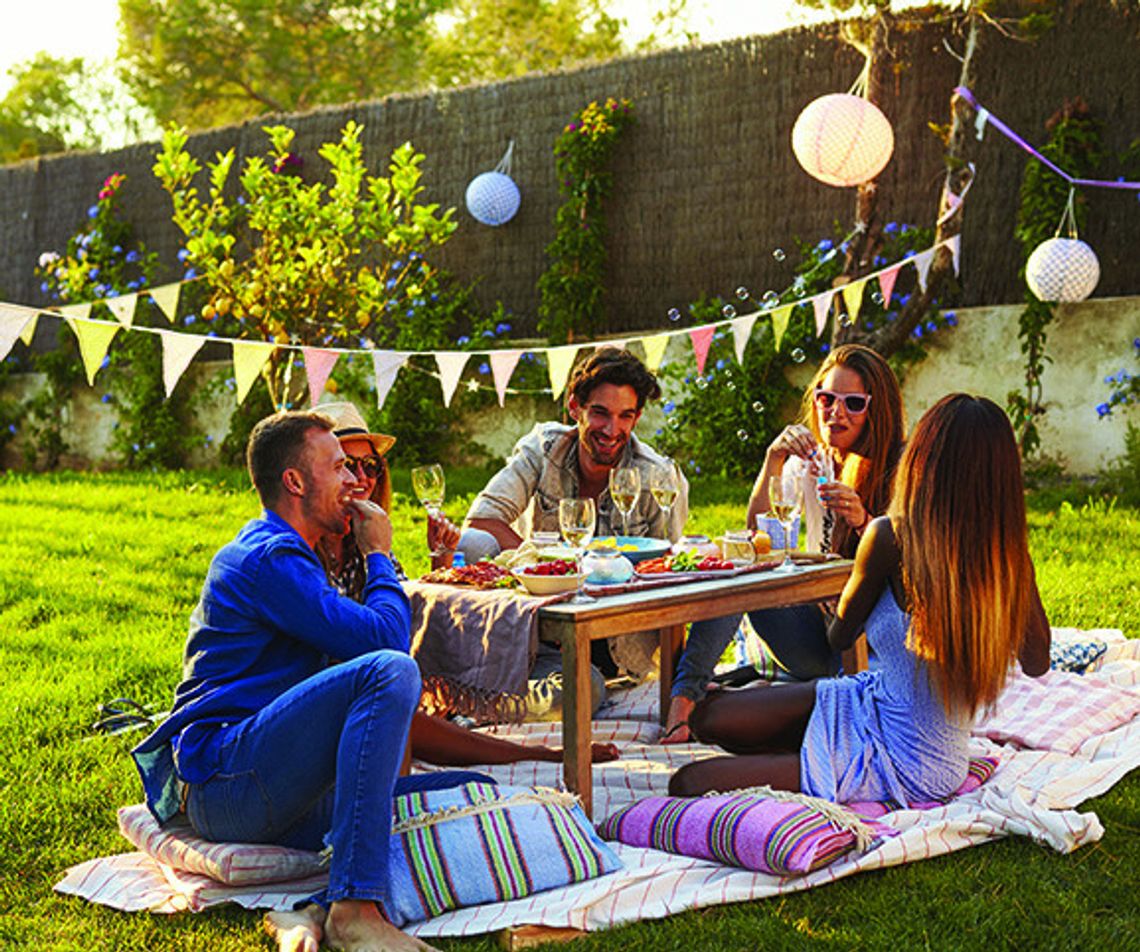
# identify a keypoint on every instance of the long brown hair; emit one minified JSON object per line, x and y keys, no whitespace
{"x":958,"y":512}
{"x":870,"y":466}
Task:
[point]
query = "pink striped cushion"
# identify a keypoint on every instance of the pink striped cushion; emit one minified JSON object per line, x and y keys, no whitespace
{"x":236,"y":864}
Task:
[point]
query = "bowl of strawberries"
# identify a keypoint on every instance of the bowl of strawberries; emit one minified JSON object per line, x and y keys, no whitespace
{"x":549,"y":577}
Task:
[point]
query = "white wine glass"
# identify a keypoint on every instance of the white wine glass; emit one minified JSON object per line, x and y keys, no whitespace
{"x":428,"y":483}
{"x":625,"y":487}
{"x":576,"y":519}
{"x":664,"y":485}
{"x":786,"y":493}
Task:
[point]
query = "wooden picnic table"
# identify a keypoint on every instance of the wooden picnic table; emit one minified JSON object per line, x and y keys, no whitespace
{"x":666,"y":610}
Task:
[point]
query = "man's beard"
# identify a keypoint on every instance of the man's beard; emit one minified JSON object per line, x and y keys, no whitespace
{"x":598,"y":456}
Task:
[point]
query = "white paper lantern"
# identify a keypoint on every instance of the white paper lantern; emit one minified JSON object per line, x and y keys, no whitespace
{"x":1062,"y":269}
{"x":493,"y":198}
{"x":842,"y":139}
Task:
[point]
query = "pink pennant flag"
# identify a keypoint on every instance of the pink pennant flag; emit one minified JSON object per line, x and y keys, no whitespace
{"x":450,"y":364}
{"x":822,"y":304}
{"x":702,"y":339}
{"x":503,"y":364}
{"x":887,"y":283}
{"x":386,"y":365}
{"x":318,"y":365}
{"x":741,"y":332}
{"x":177,"y":352}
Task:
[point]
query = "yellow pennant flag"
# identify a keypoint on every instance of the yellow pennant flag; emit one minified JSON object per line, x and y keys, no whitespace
{"x":94,"y":339}
{"x":123,"y":307}
{"x":29,"y":330}
{"x":780,"y":318}
{"x":559,"y":360}
{"x":853,"y":297}
{"x":249,"y":357}
{"x":655,"y":350}
{"x":166,"y":297}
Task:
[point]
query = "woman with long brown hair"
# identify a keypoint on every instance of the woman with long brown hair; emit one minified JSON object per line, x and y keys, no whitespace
{"x":851,"y":425}
{"x":945,"y":589}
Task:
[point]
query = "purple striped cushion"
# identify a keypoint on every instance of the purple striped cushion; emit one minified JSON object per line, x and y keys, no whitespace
{"x":748,"y":829}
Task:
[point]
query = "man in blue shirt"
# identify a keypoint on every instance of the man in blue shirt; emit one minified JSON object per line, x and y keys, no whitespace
{"x":266,"y":741}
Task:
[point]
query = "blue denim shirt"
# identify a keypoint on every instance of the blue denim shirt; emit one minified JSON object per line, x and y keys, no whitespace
{"x":267,"y":619}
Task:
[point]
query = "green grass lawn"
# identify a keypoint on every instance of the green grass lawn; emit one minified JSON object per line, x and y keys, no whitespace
{"x":98,"y":574}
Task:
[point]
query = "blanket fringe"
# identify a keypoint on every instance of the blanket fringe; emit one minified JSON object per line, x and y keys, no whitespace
{"x":838,"y":815}
{"x":444,"y":696}
{"x":542,"y":796}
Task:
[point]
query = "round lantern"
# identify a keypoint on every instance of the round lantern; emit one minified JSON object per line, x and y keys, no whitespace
{"x":492,"y":198}
{"x":842,"y":139}
{"x":1062,"y":269}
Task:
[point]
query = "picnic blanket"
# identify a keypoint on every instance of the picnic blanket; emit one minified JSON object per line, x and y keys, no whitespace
{"x":1081,"y":751}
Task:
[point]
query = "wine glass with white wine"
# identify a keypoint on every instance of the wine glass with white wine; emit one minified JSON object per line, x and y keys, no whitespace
{"x":576,"y":519}
{"x":428,"y":484}
{"x":786,"y":493}
{"x":664,"y":485}
{"x":625,"y":487}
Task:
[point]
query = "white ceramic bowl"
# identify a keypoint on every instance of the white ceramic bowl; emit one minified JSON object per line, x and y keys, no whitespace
{"x":547,"y":584}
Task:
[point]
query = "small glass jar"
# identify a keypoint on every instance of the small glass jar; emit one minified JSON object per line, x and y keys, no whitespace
{"x":736,"y":547}
{"x":700,"y":545}
{"x":605,"y":566}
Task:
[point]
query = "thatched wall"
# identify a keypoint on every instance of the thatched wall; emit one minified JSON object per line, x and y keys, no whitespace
{"x":707,"y":185}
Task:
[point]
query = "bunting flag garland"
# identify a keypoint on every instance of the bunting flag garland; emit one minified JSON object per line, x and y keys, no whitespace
{"x":559,"y":360}
{"x":654,"y":347}
{"x":12,"y":322}
{"x":887,"y":283}
{"x":741,"y":332}
{"x":922,"y":267}
{"x":503,"y":363}
{"x":166,"y":297}
{"x":123,"y":307}
{"x":702,"y":340}
{"x":249,"y":357}
{"x":853,"y":297}
{"x":29,"y":330}
{"x":81,"y":311}
{"x":822,"y":304}
{"x":318,"y":365}
{"x":94,"y":339}
{"x":177,"y":352}
{"x":386,"y":365}
{"x":451,"y":364}
{"x":956,"y":252}
{"x":780,"y":318}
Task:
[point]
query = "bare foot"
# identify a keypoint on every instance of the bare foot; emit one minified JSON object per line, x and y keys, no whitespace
{"x":298,"y":931}
{"x":677,"y":724}
{"x":356,"y":925}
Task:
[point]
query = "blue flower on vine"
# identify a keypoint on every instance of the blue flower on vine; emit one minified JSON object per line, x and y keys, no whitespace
{"x":825,"y":245}
{"x":191,"y":274}
{"x":505,"y":328}
{"x":1103,"y":410}
{"x":879,"y":261}
{"x":720,"y":364}
{"x":917,"y":332}
{"x":931,"y":326}
{"x":669,"y":406}
{"x":464,"y":340}
{"x":824,"y":348}
{"x":117,"y":249}
{"x":183,"y":254}
{"x":93,"y":211}
{"x":951,"y":318}
{"x":891,"y":228}
{"x":488,"y":333}
{"x":132,"y":257}
{"x":390,"y":284}
{"x":484,"y":368}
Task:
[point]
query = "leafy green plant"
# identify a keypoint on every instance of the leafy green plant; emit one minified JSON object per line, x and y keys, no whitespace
{"x":572,"y":288}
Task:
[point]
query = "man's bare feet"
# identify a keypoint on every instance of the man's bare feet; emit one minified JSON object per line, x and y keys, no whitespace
{"x":298,"y":931}
{"x":677,"y":724}
{"x":356,"y":925}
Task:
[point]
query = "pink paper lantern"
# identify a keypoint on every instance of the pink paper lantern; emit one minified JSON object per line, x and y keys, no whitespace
{"x":1062,"y":269}
{"x":842,"y":139}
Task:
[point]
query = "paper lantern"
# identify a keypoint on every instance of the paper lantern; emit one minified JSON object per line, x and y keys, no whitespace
{"x":1062,"y":269}
{"x":842,"y":139}
{"x":493,"y":198}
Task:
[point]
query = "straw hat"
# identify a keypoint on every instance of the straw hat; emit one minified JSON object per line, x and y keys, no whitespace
{"x":347,"y":421}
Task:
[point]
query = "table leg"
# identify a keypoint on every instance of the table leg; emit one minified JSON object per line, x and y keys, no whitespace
{"x":670,"y":640}
{"x":577,"y":710}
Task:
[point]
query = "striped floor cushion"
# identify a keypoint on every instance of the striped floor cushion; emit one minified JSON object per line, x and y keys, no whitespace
{"x":769,"y":831}
{"x":481,"y":843}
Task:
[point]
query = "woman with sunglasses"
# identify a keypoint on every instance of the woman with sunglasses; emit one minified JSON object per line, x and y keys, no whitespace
{"x":851,"y":425}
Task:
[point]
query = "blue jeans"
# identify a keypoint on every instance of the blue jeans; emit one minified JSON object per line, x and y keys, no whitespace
{"x":796,"y":635}
{"x":318,"y":767}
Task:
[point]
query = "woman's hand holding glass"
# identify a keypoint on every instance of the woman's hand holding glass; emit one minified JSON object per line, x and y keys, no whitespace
{"x":576,"y":519}
{"x":625,"y":487}
{"x":428,"y":484}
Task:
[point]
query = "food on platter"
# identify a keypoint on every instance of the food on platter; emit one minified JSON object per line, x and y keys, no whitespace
{"x":613,"y":542}
{"x":761,"y":542}
{"x":554,"y":567}
{"x":684,"y":562}
{"x":477,"y":575}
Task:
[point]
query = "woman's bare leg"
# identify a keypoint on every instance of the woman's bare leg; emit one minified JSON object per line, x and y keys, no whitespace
{"x":780,"y":770}
{"x":755,"y":720}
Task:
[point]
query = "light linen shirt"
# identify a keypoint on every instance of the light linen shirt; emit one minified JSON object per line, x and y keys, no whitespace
{"x":543,"y":469}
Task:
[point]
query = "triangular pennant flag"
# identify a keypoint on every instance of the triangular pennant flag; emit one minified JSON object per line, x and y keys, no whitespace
{"x":94,"y":338}
{"x":503,"y":364}
{"x":12,"y":322}
{"x":655,"y":350}
{"x":619,"y":344}
{"x":318,"y":365}
{"x":249,"y":357}
{"x":29,"y":330}
{"x":451,"y":364}
{"x":177,"y":352}
{"x":77,"y":310}
{"x":853,"y":297}
{"x":123,"y":307}
{"x":922,"y":266}
{"x":702,"y":339}
{"x":780,"y":318}
{"x":386,"y":365}
{"x":559,"y":360}
{"x":822,"y":304}
{"x":887,"y":283}
{"x":166,"y":297}
{"x":741,"y":331}
{"x":955,"y":245}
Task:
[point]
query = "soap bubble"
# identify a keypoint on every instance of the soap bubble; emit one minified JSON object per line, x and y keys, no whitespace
{"x":702,"y":383}
{"x":770,"y":299}
{"x":742,"y":435}
{"x":877,"y":297}
{"x":742,"y":293}
{"x":779,"y":254}
{"x":844,"y":319}
{"x":674,"y":314}
{"x":758,"y":406}
{"x":799,"y":356}
{"x":728,"y":311}
{"x":730,"y":386}
{"x":674,"y":423}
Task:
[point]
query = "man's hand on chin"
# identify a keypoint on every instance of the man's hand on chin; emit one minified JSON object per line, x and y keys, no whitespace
{"x":371,"y":527}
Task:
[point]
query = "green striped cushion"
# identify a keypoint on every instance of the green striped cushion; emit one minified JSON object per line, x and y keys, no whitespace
{"x":480,"y":843}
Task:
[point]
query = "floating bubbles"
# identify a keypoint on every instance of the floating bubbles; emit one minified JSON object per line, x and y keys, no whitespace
{"x":800,"y":286}
{"x":877,"y":297}
{"x":779,"y":254}
{"x":770,"y":299}
{"x":702,"y":383}
{"x":674,"y":314}
{"x":798,"y":355}
{"x":742,"y":293}
{"x":728,"y":311}
{"x":743,"y":435}
{"x":730,"y":386}
{"x":758,"y":406}
{"x":844,"y":319}
{"x":674,"y":423}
